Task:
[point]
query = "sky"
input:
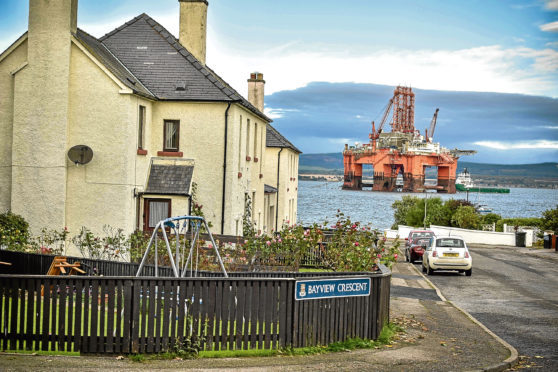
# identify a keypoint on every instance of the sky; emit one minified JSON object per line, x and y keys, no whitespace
{"x":483,"y":47}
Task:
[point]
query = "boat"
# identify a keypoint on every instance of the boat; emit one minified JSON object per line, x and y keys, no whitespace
{"x":483,"y":209}
{"x":464,"y":182}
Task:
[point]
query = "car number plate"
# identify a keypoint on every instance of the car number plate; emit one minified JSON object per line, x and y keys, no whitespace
{"x":451,"y":254}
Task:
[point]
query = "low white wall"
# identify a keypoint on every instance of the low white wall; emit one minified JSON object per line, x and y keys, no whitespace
{"x":483,"y":237}
{"x":391,"y":234}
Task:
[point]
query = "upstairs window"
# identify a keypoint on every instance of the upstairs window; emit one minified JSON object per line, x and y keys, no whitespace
{"x":171,"y":135}
{"x":141,"y":127}
{"x":247,"y":139}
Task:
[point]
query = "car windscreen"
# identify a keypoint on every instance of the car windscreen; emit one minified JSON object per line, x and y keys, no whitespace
{"x":422,"y":241}
{"x":422,"y":234}
{"x":450,"y":243}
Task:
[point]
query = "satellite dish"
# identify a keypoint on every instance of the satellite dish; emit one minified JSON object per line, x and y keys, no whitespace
{"x":80,"y":154}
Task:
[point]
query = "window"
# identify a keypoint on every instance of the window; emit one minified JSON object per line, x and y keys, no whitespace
{"x":155,"y":211}
{"x":171,"y":135}
{"x":247,"y":138}
{"x":141,"y":127}
{"x":255,"y":140}
{"x":240,"y":145}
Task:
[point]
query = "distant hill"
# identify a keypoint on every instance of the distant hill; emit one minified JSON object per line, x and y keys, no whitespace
{"x":332,"y":163}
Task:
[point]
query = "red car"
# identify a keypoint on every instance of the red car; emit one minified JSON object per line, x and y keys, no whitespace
{"x":416,"y":249}
{"x":417,"y":234}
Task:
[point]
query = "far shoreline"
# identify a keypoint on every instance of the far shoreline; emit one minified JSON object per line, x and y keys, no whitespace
{"x":524,"y":183}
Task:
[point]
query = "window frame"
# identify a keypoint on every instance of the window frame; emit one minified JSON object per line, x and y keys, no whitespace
{"x":177,"y":123}
{"x":146,"y":211}
{"x":142,"y":116}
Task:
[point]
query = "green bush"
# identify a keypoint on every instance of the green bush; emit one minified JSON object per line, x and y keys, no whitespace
{"x":549,"y":220}
{"x":14,"y":232}
{"x":466,"y":217}
{"x":490,"y":218}
{"x":410,"y":211}
{"x":531,"y":221}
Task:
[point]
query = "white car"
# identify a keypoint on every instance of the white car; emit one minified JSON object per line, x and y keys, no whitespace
{"x":447,"y":253}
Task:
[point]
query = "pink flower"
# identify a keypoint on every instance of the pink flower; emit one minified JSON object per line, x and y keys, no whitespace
{"x":268,"y":243}
{"x":356,"y":244}
{"x":280,"y":241}
{"x":379,"y":255}
{"x":210,"y":245}
{"x":395,"y":256}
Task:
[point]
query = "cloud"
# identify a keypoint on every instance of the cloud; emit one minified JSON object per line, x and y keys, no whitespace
{"x":523,"y":145}
{"x":550,"y":127}
{"x":277,"y":113}
{"x":551,"y":4}
{"x":486,"y":69}
{"x":549,"y":27}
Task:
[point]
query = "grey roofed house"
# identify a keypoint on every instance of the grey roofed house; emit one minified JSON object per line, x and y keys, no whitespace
{"x":149,"y":60}
{"x":276,"y":139}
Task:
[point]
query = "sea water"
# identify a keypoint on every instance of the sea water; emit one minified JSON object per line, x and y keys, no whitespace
{"x":319,"y":201}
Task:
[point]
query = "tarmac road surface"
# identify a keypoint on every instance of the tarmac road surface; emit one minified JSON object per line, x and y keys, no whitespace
{"x":515,"y":295}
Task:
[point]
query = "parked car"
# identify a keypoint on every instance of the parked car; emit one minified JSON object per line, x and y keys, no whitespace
{"x":416,"y":248}
{"x":413,"y":234}
{"x":447,"y":253}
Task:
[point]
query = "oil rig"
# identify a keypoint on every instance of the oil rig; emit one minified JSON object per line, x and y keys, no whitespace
{"x":403,"y":152}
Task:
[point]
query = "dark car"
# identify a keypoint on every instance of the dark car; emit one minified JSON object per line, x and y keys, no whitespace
{"x":416,"y":248}
{"x":413,"y":234}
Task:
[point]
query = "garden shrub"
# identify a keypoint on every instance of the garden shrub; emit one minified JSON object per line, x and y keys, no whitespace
{"x":14,"y":232}
{"x":549,"y":220}
{"x":466,"y":217}
{"x":530,"y":221}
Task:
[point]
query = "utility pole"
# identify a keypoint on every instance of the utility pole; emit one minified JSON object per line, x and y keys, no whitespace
{"x":425,"y":201}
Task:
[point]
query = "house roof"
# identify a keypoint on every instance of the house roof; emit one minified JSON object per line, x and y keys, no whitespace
{"x":161,"y":64}
{"x":169,"y":179}
{"x":269,"y":189}
{"x":97,"y":49}
{"x":275,"y":139}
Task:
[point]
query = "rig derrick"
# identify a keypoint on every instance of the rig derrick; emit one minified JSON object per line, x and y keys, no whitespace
{"x":403,"y":151}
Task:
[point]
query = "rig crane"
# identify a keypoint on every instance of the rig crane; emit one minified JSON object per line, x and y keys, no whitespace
{"x":375,"y":135}
{"x":430,"y":132}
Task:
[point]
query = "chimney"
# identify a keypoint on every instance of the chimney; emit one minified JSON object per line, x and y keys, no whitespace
{"x":41,"y":116}
{"x":256,"y":90}
{"x":193,"y":27}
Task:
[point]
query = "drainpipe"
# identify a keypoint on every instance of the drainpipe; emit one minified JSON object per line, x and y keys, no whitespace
{"x":277,"y":202}
{"x":225,"y":170}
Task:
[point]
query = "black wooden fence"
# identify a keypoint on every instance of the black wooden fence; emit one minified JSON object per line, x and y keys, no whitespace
{"x":117,"y":313}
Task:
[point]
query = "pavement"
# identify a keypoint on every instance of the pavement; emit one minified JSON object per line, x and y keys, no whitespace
{"x":438,"y":337}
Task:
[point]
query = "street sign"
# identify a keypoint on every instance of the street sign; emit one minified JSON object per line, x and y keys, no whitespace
{"x":329,"y":288}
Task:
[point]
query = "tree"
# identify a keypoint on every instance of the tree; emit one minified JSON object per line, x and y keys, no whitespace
{"x":436,"y":213}
{"x":550,"y":220}
{"x":466,"y":217}
{"x":401,"y":208}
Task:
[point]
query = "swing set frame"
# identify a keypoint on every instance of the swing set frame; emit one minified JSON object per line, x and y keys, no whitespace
{"x":180,"y":224}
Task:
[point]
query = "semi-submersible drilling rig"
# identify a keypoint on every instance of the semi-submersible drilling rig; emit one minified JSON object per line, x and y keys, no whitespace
{"x":402,"y":151}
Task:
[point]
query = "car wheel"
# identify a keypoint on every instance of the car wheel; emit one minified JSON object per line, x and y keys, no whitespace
{"x":429,"y":271}
{"x":411,"y":260}
{"x":469,"y":272}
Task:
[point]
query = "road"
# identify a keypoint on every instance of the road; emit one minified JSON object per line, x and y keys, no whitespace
{"x":515,"y":295}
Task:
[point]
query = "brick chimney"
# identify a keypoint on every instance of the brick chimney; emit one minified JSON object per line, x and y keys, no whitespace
{"x":256,"y":85}
{"x":193,"y":27}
